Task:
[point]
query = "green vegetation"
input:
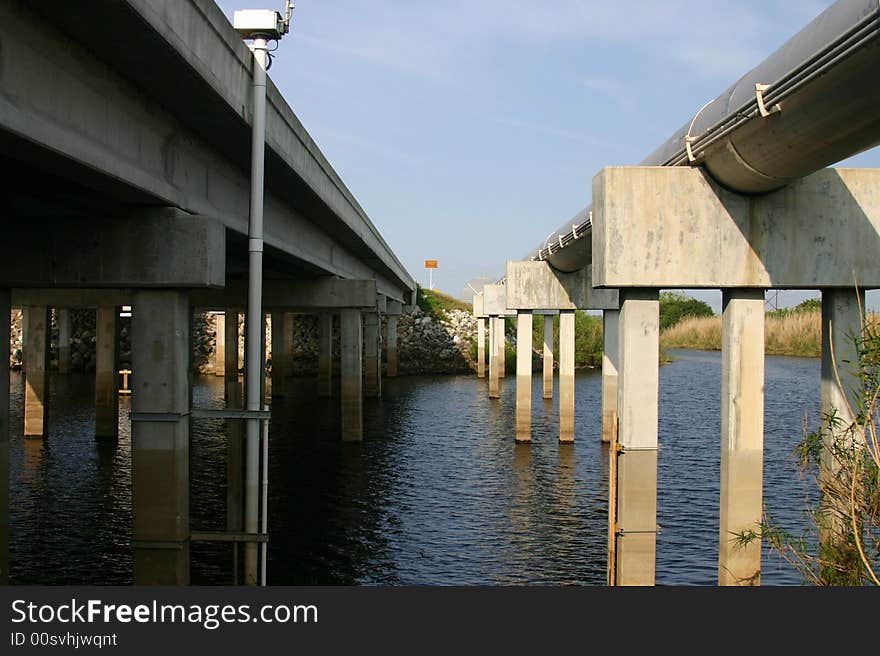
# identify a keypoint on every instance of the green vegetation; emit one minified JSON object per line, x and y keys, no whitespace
{"x":675,"y":306}
{"x":808,"y":306}
{"x":437,"y":303}
{"x":842,"y":545}
{"x":587,"y":338}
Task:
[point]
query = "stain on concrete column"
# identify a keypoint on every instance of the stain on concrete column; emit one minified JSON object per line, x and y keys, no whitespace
{"x":841,"y":327}
{"x":742,"y":435}
{"x":5,"y":319}
{"x":62,"y":317}
{"x":566,"y":376}
{"x":637,"y":398}
{"x":325,"y":355}
{"x":548,"y":357}
{"x":219,"y":343}
{"x":481,"y":348}
{"x":352,"y":420}
{"x":493,"y":358}
{"x":160,"y":437}
{"x":36,"y":416}
{"x":234,"y":445}
{"x":106,"y":373}
{"x":372,"y":356}
{"x":610,"y":347}
{"x":391,"y":346}
{"x":524,"y":376}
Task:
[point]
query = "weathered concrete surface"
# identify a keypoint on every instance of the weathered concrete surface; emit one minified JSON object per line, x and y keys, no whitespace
{"x":62,"y":318}
{"x":481,"y":347}
{"x":36,"y":366}
{"x":495,"y":301}
{"x":160,"y":442}
{"x":352,"y":376}
{"x":493,"y":358}
{"x":524,"y":376}
{"x":501,"y":343}
{"x":742,"y":435}
{"x":106,"y":373}
{"x":372,"y":356}
{"x":189,"y":127}
{"x":566,"y":376}
{"x":479,"y":312}
{"x":548,"y":357}
{"x":294,"y":295}
{"x":5,"y":319}
{"x":58,"y":297}
{"x":219,"y":363}
{"x":610,"y":353}
{"x":637,"y":398}
{"x":538,"y":286}
{"x":325,"y":355}
{"x":674,"y":227}
{"x":141,"y":248}
{"x":234,"y":446}
{"x":391,"y":346}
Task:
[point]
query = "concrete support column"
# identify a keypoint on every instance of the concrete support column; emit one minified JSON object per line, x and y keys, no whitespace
{"x":5,"y":318}
{"x":62,"y":316}
{"x":160,"y":437}
{"x":352,"y":377}
{"x":106,"y":372}
{"x":841,"y":327}
{"x":220,"y":344}
{"x":493,"y":358}
{"x":36,"y":372}
{"x":524,"y":376}
{"x":282,"y":349}
{"x":372,"y":356}
{"x":391,"y":346}
{"x":548,"y":356}
{"x":325,"y":355}
{"x":501,"y":342}
{"x":742,"y":435}
{"x":481,"y":348}
{"x":566,"y":376}
{"x":234,"y":446}
{"x":637,"y":398}
{"x":610,"y":348}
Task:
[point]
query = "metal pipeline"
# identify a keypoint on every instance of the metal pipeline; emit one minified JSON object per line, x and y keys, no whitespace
{"x":810,"y":104}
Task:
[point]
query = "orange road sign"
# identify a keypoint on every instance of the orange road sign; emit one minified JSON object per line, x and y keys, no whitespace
{"x":431,"y":264}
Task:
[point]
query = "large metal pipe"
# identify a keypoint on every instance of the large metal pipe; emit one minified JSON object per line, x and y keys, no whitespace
{"x":810,"y":104}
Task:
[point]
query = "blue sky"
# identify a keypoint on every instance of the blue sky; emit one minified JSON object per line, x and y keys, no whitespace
{"x":469,"y":130}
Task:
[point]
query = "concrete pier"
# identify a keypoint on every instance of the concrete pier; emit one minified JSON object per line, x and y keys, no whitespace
{"x":106,"y":372}
{"x":493,"y":358}
{"x":36,"y":348}
{"x":372,"y":356}
{"x":481,"y":348}
{"x":234,"y":445}
{"x":637,"y":398}
{"x":524,"y":376}
{"x":282,"y":347}
{"x":501,"y":344}
{"x":62,"y":317}
{"x":220,"y":343}
{"x":841,"y":327}
{"x":548,"y":357}
{"x":391,"y":346}
{"x":160,"y":437}
{"x":566,"y":376}
{"x":325,"y":355}
{"x":5,"y":318}
{"x":610,"y":347}
{"x":352,"y":377}
{"x":742,"y":435}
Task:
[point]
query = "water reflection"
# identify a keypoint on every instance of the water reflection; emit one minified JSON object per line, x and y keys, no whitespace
{"x":438,"y":493}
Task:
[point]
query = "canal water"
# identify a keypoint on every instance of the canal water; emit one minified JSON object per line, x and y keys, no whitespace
{"x":437,"y":493}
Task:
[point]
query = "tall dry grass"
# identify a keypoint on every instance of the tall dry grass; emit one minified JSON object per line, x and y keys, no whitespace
{"x":797,"y":334}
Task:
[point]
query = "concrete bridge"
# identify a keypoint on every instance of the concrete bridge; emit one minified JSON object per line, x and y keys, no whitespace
{"x":125,"y":140}
{"x":737,"y":200}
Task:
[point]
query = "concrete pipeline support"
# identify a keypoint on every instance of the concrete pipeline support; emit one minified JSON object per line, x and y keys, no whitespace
{"x":36,"y":348}
{"x":352,"y":376}
{"x":566,"y":375}
{"x":481,"y":347}
{"x":501,"y":345}
{"x":391,"y":346}
{"x":219,"y":363}
{"x":493,"y":359}
{"x":742,"y":435}
{"x":524,"y":376}
{"x":325,"y":355}
{"x":62,"y":317}
{"x":106,"y":372}
{"x":372,"y":356}
{"x":610,"y":348}
{"x":547,"y":369}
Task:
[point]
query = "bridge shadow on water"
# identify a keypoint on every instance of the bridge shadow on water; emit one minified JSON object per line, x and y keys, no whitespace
{"x":437,"y":493}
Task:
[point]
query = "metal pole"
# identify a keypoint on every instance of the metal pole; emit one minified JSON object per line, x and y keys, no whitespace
{"x":265,"y":498}
{"x":254,"y":362}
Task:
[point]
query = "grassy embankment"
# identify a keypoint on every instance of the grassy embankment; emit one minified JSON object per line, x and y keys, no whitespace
{"x":796,"y":331}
